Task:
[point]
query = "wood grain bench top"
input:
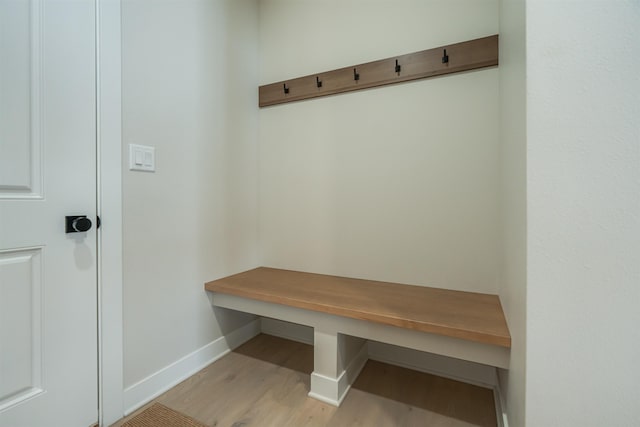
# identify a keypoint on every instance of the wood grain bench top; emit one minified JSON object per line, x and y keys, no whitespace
{"x":466,"y":315}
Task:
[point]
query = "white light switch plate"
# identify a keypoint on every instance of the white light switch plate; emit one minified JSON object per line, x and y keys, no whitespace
{"x":142,"y":158}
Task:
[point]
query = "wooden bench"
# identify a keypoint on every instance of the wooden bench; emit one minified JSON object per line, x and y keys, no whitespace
{"x":346,"y":312}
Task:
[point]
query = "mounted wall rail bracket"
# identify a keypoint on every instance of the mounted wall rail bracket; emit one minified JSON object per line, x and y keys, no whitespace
{"x":453,"y":58}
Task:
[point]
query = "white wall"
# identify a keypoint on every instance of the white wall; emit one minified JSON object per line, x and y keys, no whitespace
{"x":583,"y":195}
{"x":399,"y":183}
{"x":189,"y":89}
{"x":514,"y":201}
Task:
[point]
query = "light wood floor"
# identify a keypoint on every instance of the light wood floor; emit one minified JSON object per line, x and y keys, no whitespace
{"x":265,"y":383}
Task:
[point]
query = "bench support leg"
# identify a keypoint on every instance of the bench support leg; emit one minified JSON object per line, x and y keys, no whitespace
{"x":338,"y":359}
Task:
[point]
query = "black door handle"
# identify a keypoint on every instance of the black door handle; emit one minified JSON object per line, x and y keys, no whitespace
{"x":77,"y":223}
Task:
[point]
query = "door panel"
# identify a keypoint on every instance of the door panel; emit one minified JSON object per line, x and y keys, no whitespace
{"x":20,"y":332}
{"x":20,"y":114}
{"x":48,"y":296}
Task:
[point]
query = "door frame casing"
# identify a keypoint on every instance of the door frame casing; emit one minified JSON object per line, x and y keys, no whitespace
{"x":109,"y":208}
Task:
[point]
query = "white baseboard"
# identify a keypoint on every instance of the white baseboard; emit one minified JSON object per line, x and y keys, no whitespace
{"x":501,"y":413}
{"x":334,"y":390}
{"x":287,"y":330}
{"x":455,"y":369}
{"x":350,"y":375}
{"x":155,"y":384}
{"x":324,"y":389}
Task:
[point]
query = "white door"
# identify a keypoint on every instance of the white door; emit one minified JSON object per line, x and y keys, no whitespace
{"x":48,"y":308}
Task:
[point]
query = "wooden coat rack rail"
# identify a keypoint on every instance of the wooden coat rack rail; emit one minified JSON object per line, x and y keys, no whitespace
{"x":454,"y":58}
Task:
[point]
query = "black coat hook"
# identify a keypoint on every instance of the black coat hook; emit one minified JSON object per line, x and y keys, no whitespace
{"x":286,"y":89}
{"x":356,"y":76}
{"x":398,"y":67}
{"x":445,"y":57}
{"x":318,"y":82}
